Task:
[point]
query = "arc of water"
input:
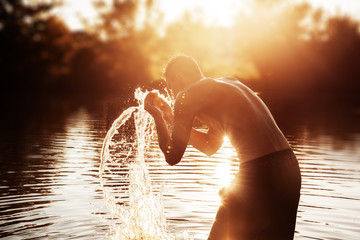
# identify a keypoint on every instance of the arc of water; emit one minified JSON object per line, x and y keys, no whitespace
{"x":145,"y":218}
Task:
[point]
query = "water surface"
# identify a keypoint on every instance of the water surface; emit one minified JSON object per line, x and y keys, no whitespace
{"x":49,"y":180}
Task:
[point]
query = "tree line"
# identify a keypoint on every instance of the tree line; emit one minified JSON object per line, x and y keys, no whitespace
{"x":297,"y":55}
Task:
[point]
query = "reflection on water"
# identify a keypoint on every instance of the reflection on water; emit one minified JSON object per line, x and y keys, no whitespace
{"x":50,"y":186}
{"x":330,"y":188}
{"x":47,"y":192}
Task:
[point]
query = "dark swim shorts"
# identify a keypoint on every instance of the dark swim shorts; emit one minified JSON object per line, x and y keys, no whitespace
{"x":262,"y":201}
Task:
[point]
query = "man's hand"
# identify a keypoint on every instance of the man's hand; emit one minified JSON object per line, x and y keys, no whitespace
{"x":150,"y":104}
{"x":155,"y":104}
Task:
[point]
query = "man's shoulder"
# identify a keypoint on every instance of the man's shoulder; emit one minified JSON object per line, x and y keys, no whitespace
{"x":209,"y":85}
{"x":218,"y":81}
{"x":199,"y":88}
{"x":203,"y":84}
{"x":194,"y":95}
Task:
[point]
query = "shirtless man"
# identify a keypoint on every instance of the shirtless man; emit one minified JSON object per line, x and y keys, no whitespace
{"x":262,"y":201}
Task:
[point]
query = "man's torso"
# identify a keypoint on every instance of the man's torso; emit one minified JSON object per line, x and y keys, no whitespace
{"x":239,"y":113}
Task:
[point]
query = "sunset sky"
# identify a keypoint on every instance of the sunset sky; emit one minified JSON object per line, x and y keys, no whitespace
{"x":212,"y":11}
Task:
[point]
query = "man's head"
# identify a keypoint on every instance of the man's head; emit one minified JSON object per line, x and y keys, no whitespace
{"x":180,"y":72}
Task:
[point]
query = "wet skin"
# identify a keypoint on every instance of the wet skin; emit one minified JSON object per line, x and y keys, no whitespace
{"x":228,"y":108}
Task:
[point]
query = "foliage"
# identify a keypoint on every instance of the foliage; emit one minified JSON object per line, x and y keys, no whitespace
{"x":295,"y":63}
{"x":292,"y":55}
{"x":40,"y":55}
{"x":34,"y":46}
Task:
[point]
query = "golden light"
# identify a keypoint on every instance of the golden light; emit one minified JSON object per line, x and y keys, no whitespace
{"x":351,"y":7}
{"x":73,"y":11}
{"x":223,"y":171}
{"x":212,"y":12}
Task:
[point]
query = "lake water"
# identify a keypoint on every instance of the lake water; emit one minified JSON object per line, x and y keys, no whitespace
{"x":49,"y":174}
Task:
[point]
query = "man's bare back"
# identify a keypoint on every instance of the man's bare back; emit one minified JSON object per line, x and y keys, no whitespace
{"x":235,"y":111}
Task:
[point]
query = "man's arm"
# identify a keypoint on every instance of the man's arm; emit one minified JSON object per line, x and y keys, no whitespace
{"x":208,"y":143}
{"x":173,"y":145}
{"x":187,"y":105}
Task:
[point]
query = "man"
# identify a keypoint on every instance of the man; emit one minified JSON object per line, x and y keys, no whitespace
{"x":263,"y":199}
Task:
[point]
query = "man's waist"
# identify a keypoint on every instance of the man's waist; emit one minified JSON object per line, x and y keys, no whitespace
{"x":285,"y":156}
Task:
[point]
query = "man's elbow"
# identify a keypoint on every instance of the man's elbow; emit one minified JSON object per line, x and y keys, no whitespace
{"x":211,"y":149}
{"x":171,"y":162}
{"x":210,"y":152}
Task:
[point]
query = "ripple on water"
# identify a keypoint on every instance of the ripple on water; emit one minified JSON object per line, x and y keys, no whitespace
{"x":49,"y":185}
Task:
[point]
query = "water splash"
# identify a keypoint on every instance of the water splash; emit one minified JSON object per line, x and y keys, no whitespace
{"x":125,"y":179}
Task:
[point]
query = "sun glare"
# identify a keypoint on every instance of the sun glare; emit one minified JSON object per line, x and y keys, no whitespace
{"x":351,"y":7}
{"x":74,"y":11}
{"x":212,"y":12}
{"x":223,"y":171}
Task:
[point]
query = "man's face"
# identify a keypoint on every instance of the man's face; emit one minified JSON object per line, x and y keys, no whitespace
{"x":174,"y":85}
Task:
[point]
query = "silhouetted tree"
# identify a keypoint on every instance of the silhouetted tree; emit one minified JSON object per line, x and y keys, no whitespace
{"x":108,"y":67}
{"x":115,"y":60}
{"x":279,"y":56}
{"x":301,"y":65}
{"x":341,"y":54}
{"x":211,"y":46}
{"x":117,"y":18}
{"x":34,"y":47}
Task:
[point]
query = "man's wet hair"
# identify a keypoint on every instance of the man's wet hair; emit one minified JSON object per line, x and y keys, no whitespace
{"x":182,"y":65}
